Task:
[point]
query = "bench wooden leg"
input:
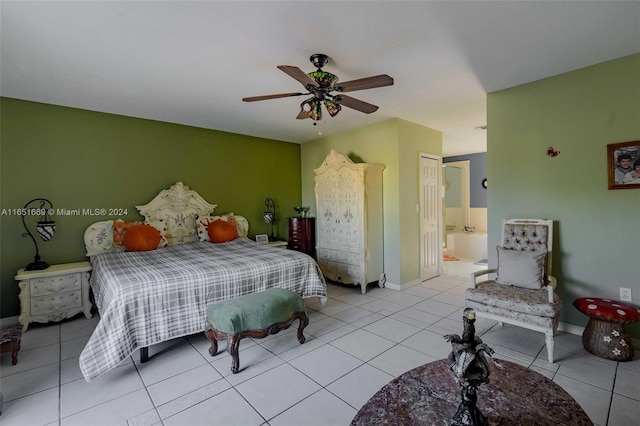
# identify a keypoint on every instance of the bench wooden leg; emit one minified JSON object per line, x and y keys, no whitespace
{"x":213,"y":335}
{"x":233,"y":343}
{"x":304,"y":321}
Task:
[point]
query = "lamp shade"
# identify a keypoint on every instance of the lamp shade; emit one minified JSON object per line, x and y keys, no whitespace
{"x":46,"y":229}
{"x":269,"y":214}
{"x":268,"y":217}
{"x":332,"y":108}
{"x":312,"y":107}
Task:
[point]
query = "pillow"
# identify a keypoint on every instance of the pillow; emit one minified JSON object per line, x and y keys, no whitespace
{"x":221,"y":231}
{"x":142,"y":237}
{"x":161,"y":226}
{"x":119,"y":229}
{"x":202,"y":224}
{"x":521,"y":268}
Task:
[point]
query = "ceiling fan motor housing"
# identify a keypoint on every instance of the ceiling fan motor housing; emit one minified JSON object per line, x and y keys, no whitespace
{"x":319,"y":60}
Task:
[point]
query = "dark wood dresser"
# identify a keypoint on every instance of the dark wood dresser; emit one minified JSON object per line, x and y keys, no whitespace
{"x":302,"y":235}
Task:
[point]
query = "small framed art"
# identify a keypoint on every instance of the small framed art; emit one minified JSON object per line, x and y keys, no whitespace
{"x":623,"y":165}
{"x":262,"y":238}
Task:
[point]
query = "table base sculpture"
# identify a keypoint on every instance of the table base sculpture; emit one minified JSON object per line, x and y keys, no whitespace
{"x":469,"y":369}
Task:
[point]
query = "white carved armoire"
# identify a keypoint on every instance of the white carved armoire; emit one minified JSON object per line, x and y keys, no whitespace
{"x":350,"y":221}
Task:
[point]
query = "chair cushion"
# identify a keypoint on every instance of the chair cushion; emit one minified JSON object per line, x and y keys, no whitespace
{"x":10,"y":333}
{"x":545,"y":322}
{"x":514,"y":299}
{"x":521,"y":268}
{"x":256,"y":311}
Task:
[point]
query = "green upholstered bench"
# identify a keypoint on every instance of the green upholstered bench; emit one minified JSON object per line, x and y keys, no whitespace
{"x":253,"y":315}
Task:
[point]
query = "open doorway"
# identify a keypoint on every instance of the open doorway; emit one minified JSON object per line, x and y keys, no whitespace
{"x":464,"y":237}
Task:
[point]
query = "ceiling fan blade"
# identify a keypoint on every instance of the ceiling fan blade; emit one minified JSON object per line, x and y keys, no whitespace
{"x":356,"y":104}
{"x":298,"y":74}
{"x":302,"y":115}
{"x":365,"y":83}
{"x":265,"y":97}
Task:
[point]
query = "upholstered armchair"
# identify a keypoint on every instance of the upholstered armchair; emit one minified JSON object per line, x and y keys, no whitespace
{"x":522,"y":292}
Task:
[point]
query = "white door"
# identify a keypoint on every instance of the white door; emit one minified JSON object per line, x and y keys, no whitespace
{"x":430,"y":207}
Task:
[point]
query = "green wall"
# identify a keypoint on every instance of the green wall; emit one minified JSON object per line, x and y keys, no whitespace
{"x":414,"y":140}
{"x":83,"y":159}
{"x":397,"y":144}
{"x":597,"y":230}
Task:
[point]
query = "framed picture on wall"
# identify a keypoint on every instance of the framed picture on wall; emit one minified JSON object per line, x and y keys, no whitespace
{"x":623,"y":165}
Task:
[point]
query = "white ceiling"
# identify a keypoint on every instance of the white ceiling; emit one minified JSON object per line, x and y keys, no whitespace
{"x":193,"y":62}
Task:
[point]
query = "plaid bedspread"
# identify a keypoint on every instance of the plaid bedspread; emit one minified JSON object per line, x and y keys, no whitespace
{"x":146,"y":298}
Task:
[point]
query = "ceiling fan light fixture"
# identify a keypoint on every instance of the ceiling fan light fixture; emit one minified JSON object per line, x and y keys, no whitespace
{"x":316,"y":113}
{"x":332,"y":108}
{"x":307,"y":105}
{"x":323,"y":79}
{"x":312,"y":108}
{"x":320,"y":84}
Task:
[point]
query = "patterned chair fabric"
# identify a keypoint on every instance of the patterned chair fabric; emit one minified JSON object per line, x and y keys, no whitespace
{"x":528,"y":237}
{"x":536,"y":309}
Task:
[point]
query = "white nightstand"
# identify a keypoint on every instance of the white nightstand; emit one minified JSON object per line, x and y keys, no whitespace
{"x":55,"y":293}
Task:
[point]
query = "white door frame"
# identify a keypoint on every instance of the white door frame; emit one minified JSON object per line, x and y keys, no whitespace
{"x":464,"y":189}
{"x":438,"y":212}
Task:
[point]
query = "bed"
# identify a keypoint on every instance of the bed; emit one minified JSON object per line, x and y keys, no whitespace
{"x":148,"y":297}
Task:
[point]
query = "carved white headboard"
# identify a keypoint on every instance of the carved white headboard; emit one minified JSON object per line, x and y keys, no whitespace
{"x":176,"y":206}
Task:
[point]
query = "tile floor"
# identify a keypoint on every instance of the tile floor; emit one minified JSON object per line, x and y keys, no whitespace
{"x":355,"y":345}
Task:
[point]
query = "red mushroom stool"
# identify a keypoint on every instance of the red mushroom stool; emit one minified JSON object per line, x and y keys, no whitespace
{"x":604,"y":335}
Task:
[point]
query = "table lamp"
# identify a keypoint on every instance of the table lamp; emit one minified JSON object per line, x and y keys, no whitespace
{"x":46,"y":228}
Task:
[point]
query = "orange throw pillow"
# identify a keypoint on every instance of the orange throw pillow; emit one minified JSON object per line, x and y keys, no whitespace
{"x":120,"y":228}
{"x":142,"y":237}
{"x":221,"y":231}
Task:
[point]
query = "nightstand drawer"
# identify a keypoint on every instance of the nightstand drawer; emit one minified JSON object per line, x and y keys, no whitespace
{"x":55,"y":284}
{"x":56,"y":302}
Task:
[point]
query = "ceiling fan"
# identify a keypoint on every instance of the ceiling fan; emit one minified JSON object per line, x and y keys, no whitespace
{"x":321,"y":85}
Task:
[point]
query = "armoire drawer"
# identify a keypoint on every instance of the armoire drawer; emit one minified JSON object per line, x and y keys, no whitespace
{"x":340,"y":256}
{"x":341,"y":272}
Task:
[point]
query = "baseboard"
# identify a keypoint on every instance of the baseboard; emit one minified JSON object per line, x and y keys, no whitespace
{"x":400,"y":287}
{"x":570,"y":328}
{"x":393,"y":286}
